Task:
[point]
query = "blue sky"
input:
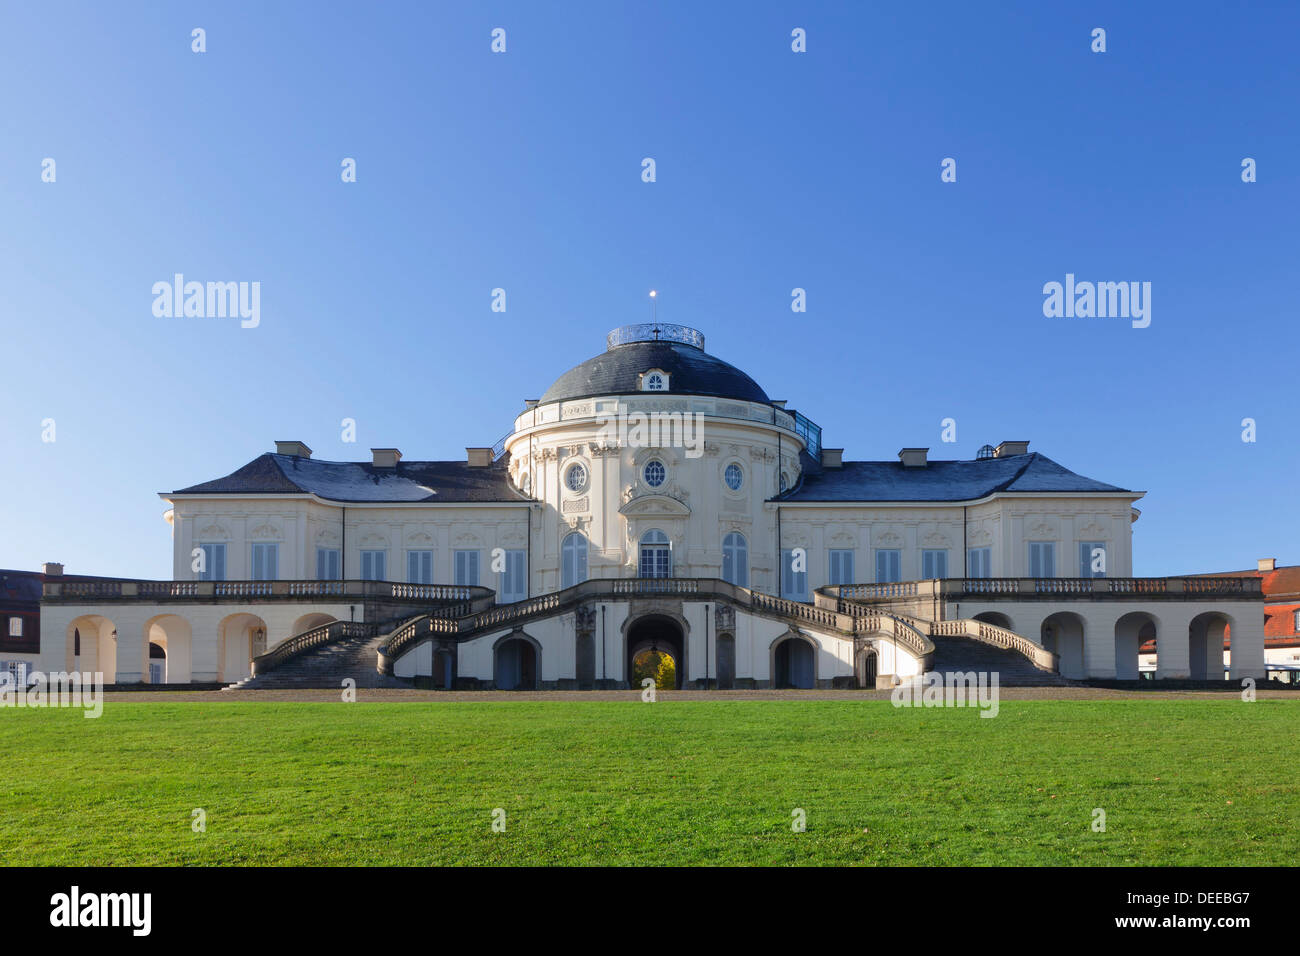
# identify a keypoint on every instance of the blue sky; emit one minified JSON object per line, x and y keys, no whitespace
{"x":522,"y":171}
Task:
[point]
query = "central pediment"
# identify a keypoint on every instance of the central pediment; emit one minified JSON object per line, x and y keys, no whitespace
{"x":655,"y":506}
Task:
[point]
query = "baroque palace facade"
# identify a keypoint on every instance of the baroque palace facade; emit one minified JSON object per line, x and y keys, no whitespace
{"x":654,"y":497}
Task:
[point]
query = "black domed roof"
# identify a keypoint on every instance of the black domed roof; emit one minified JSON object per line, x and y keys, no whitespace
{"x":691,"y":370}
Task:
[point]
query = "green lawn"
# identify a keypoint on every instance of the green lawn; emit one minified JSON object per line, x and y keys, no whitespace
{"x":1181,"y":781}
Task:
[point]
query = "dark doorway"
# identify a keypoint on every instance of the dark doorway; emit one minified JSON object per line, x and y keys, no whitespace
{"x":656,"y":633}
{"x":726,"y":662}
{"x":794,"y":664}
{"x":516,"y":665}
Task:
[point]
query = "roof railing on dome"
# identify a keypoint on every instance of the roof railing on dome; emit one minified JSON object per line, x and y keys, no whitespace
{"x":499,"y":448}
{"x":655,"y":332}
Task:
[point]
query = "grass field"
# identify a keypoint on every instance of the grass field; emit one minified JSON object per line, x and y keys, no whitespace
{"x":697,"y":782}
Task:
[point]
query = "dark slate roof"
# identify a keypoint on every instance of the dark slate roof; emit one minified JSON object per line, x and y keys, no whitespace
{"x":692,"y":371}
{"x":410,"y":481}
{"x":941,"y":480}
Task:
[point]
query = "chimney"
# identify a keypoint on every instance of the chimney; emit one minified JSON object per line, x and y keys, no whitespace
{"x":1006,"y":449}
{"x":295,"y":449}
{"x":385,"y":457}
{"x":1268,"y":564}
{"x":832,"y":457}
{"x":478,"y":457}
{"x":52,"y":569}
{"x":913,"y":457}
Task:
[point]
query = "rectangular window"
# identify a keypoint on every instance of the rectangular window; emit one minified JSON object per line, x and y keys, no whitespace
{"x":1092,"y":559}
{"x":1042,"y":559}
{"x":15,"y":627}
{"x":17,"y":672}
{"x":327,"y":564}
{"x":889,"y":565}
{"x":513,"y":585}
{"x":214,"y":562}
{"x":934,"y":564}
{"x":373,"y":566}
{"x":419,"y":567}
{"x":794,"y":584}
{"x":1296,"y":622}
{"x":841,"y":566}
{"x":266,"y":562}
{"x":466,"y":568}
{"x":979,"y":563}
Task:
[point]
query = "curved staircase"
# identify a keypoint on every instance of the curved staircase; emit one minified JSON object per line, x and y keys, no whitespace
{"x":962,"y":654}
{"x":326,"y":665}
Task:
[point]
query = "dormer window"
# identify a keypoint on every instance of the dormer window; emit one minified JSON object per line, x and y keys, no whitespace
{"x":655,"y":380}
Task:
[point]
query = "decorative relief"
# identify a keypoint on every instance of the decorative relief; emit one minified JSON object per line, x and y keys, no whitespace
{"x":936,"y":540}
{"x":724,"y":616}
{"x":573,"y":505}
{"x":889,"y":539}
{"x":979,"y":536}
{"x":264,"y":530}
{"x":214,"y":532}
{"x":1093,"y":530}
{"x":585,"y":619}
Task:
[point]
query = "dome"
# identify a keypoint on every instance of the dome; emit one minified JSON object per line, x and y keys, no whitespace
{"x":635,"y":349}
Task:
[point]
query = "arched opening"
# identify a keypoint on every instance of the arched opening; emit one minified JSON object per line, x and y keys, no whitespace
{"x":91,"y":646}
{"x":735,"y":559}
{"x":1136,"y":634}
{"x":309,"y":621}
{"x":866,"y":668}
{"x":573,"y":560}
{"x":171,"y":662}
{"x":1063,"y":634}
{"x":656,"y":559}
{"x":996,"y":618}
{"x":659,"y":634}
{"x":794,"y":663}
{"x":516,"y":664}
{"x":726,"y":663}
{"x":241,"y":637}
{"x":1207,"y":635}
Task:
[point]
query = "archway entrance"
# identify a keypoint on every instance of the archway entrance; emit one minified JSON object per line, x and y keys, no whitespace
{"x":661,"y":635}
{"x":793,"y":664}
{"x":1062,"y":633}
{"x":867,"y":668}
{"x":516,"y":665}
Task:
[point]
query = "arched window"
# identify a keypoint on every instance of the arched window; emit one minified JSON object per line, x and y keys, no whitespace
{"x":656,"y":555}
{"x":573,"y":560}
{"x":735,"y":559}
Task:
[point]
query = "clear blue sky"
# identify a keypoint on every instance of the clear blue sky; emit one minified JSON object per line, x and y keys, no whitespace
{"x":523,"y":171}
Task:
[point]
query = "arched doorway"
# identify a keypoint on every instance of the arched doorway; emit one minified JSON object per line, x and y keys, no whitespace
{"x":1206,"y":637}
{"x":866,"y":669}
{"x":794,"y":663}
{"x":1062,"y":634}
{"x":517,"y":663}
{"x":659,"y":634}
{"x":1132,"y":631}
{"x":240,"y":638}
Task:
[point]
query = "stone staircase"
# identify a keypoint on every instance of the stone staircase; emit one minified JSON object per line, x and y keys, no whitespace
{"x":326,"y":666}
{"x":964,"y":654}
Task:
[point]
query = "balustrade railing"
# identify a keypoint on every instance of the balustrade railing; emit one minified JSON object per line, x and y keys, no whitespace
{"x":315,"y":637}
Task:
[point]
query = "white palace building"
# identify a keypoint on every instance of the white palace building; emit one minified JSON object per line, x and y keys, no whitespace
{"x":654,"y":497}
